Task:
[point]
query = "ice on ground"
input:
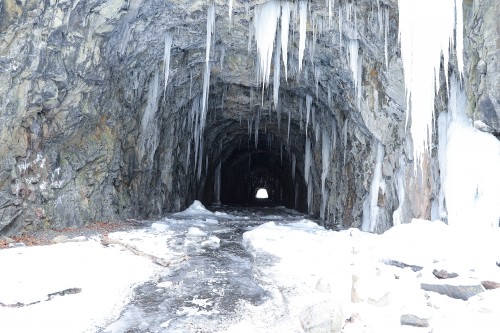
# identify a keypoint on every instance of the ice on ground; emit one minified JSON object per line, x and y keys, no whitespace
{"x":353,"y":268}
{"x":195,"y":209}
{"x":30,"y":274}
{"x":193,"y":231}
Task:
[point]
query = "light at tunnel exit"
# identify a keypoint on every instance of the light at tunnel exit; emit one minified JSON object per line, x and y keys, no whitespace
{"x":261,"y":194}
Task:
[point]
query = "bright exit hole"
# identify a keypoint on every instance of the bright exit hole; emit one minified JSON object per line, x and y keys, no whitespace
{"x":262,"y":194}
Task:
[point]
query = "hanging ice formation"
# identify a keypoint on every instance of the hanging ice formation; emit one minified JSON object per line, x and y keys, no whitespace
{"x":325,"y":163}
{"x":206,"y":86}
{"x":265,"y":23}
{"x":426,"y":33}
{"x":370,"y":207}
{"x":302,"y":30}
{"x":308,"y":110}
{"x":355,"y":63}
{"x":386,"y":33}
{"x":277,"y":74}
{"x":149,"y":130}
{"x":294,"y":162}
{"x":230,"y":11}
{"x":166,"y":59}
{"x":286,"y":10}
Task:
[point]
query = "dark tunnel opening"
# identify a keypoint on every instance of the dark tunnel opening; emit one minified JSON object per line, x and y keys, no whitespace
{"x":246,"y":169}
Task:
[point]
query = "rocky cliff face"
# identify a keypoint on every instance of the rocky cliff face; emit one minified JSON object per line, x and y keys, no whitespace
{"x":90,"y":131}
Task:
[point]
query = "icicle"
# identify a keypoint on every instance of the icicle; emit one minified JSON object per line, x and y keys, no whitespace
{"x":331,"y":4}
{"x":426,"y":29}
{"x":190,"y":83}
{"x":206,"y":78}
{"x":217,"y":179}
{"x":308,"y":110}
{"x":329,"y":96}
{"x":286,"y":10}
{"x":307,"y":160}
{"x":188,"y":155}
{"x":386,"y":33}
{"x":370,"y":219}
{"x":302,"y":30}
{"x":265,"y":22}
{"x":166,"y":59}
{"x":340,"y":26}
{"x":355,"y":64}
{"x":317,"y":76}
{"x":379,"y":16}
{"x":276,"y":76}
{"x":294,"y":163}
{"x":230,"y":11}
{"x":325,"y":163}
{"x":149,"y":139}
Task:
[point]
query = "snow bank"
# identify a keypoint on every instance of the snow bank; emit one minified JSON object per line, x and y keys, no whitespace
{"x":105,"y":276}
{"x":373,"y":279}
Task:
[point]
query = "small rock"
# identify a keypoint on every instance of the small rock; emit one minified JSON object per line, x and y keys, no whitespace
{"x":59,"y":239}
{"x":459,"y":291}
{"x":443,"y":274}
{"x":324,"y":317}
{"x":400,"y":264}
{"x":412,"y":320}
{"x":489,"y":285}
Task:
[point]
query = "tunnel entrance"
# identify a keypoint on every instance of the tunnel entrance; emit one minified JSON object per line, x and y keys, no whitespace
{"x":249,"y":175}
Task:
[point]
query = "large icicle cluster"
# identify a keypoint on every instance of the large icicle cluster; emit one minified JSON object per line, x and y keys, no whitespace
{"x":427,"y":32}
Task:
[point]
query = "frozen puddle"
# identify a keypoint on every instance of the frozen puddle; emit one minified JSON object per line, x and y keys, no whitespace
{"x":209,"y":291}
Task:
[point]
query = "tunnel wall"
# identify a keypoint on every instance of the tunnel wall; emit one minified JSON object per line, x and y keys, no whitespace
{"x":90,"y":132}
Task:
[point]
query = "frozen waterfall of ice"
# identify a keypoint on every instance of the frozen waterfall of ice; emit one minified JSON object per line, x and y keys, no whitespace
{"x":470,"y":167}
{"x":370,"y":216}
{"x":427,"y":29}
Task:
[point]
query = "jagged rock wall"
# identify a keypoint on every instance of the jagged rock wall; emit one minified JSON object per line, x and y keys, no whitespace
{"x":89,"y":132}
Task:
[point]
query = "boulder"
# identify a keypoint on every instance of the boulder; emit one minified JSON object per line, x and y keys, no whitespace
{"x":59,"y":239}
{"x":323,"y":317}
{"x":444,"y":274}
{"x":413,"y":320}
{"x":455,"y":289}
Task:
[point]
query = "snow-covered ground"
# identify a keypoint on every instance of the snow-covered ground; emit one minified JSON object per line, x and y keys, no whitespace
{"x":256,"y":271}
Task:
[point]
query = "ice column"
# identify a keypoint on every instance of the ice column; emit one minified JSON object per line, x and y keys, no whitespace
{"x":166,"y":59}
{"x":286,"y":10}
{"x":302,"y":31}
{"x":370,"y":215}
